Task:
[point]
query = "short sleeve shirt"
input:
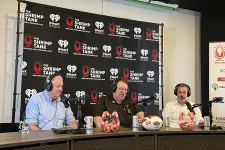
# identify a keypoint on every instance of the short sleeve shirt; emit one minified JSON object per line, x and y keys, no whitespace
{"x":108,"y":103}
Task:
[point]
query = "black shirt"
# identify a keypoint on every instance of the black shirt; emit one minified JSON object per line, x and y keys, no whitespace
{"x":108,"y":103}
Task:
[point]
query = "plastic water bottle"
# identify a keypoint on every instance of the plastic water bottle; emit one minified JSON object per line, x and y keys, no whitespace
{"x":206,"y":122}
{"x":167,"y":122}
{"x":135,"y":123}
{"x":23,"y":127}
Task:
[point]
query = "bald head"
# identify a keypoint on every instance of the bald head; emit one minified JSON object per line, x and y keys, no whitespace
{"x":57,"y":83}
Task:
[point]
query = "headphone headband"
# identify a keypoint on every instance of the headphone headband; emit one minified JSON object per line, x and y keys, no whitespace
{"x":114,"y":85}
{"x":183,"y":85}
{"x":48,"y":82}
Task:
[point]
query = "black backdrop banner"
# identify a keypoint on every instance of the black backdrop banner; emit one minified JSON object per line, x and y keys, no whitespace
{"x":91,"y":51}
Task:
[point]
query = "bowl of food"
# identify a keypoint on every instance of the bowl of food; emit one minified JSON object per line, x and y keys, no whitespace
{"x":110,"y":122}
{"x":187,"y":121}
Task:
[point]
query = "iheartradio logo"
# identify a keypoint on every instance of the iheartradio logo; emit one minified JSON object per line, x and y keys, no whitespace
{"x":63,"y":43}
{"x":144,"y":52}
{"x":150,"y":73}
{"x":67,"y":95}
{"x":71,"y":68}
{"x":114,"y":71}
{"x":107,"y":48}
{"x":80,"y":93}
{"x":23,"y":64}
{"x":137,"y":30}
{"x":30,"y":92}
{"x":54,"y":17}
{"x":99,"y":25}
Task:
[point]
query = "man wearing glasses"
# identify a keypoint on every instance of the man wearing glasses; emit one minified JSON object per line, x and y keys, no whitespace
{"x":117,"y":101}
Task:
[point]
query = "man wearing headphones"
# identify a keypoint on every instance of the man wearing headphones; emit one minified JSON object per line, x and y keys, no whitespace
{"x":45,"y":110}
{"x":117,"y":101}
{"x":181,"y":104}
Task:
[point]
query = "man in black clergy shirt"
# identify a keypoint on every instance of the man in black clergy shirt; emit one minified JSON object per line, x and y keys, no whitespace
{"x":117,"y":101}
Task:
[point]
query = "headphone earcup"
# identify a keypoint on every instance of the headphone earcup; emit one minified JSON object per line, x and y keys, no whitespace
{"x":114,"y":87}
{"x":48,"y":85}
{"x":189,"y":92}
{"x":48,"y":82}
{"x":175,"y":91}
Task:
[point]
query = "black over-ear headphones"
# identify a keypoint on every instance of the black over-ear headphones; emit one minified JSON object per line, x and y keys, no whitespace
{"x":114,"y":85}
{"x":183,"y":85}
{"x":48,"y":82}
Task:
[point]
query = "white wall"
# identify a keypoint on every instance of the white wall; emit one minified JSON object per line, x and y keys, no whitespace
{"x":181,"y":43}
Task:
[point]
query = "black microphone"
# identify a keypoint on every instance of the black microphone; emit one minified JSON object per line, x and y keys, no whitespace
{"x":152,"y":99}
{"x":128,"y":106}
{"x":197,"y":105}
{"x":64,"y":101}
{"x":216,"y":100}
{"x":127,"y":109}
{"x":190,"y":108}
{"x":154,"y":96}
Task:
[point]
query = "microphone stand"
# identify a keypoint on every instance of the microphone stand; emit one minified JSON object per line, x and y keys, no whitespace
{"x":79,"y":115}
{"x":144,"y":103}
{"x":210,"y":113}
{"x":79,"y":112}
{"x":145,"y":107}
{"x":80,"y":129}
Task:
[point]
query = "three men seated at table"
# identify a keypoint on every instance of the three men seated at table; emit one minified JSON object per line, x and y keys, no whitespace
{"x":45,"y":110}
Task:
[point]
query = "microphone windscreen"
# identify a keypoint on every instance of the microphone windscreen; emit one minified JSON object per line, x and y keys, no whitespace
{"x":156,"y":96}
{"x":190,"y":107}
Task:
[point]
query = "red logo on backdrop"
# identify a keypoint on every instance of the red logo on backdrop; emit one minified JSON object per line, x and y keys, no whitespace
{"x":69,"y":21}
{"x":37,"y":67}
{"x":85,"y":70}
{"x":126,"y":73}
{"x":221,"y":79}
{"x":220,"y":118}
{"x":155,"y":54}
{"x":133,"y":96}
{"x":219,"y":52}
{"x":112,"y":28}
{"x":148,"y":33}
{"x":28,"y":41}
{"x":119,"y":50}
{"x":94,"y":96}
{"x":77,"y":46}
